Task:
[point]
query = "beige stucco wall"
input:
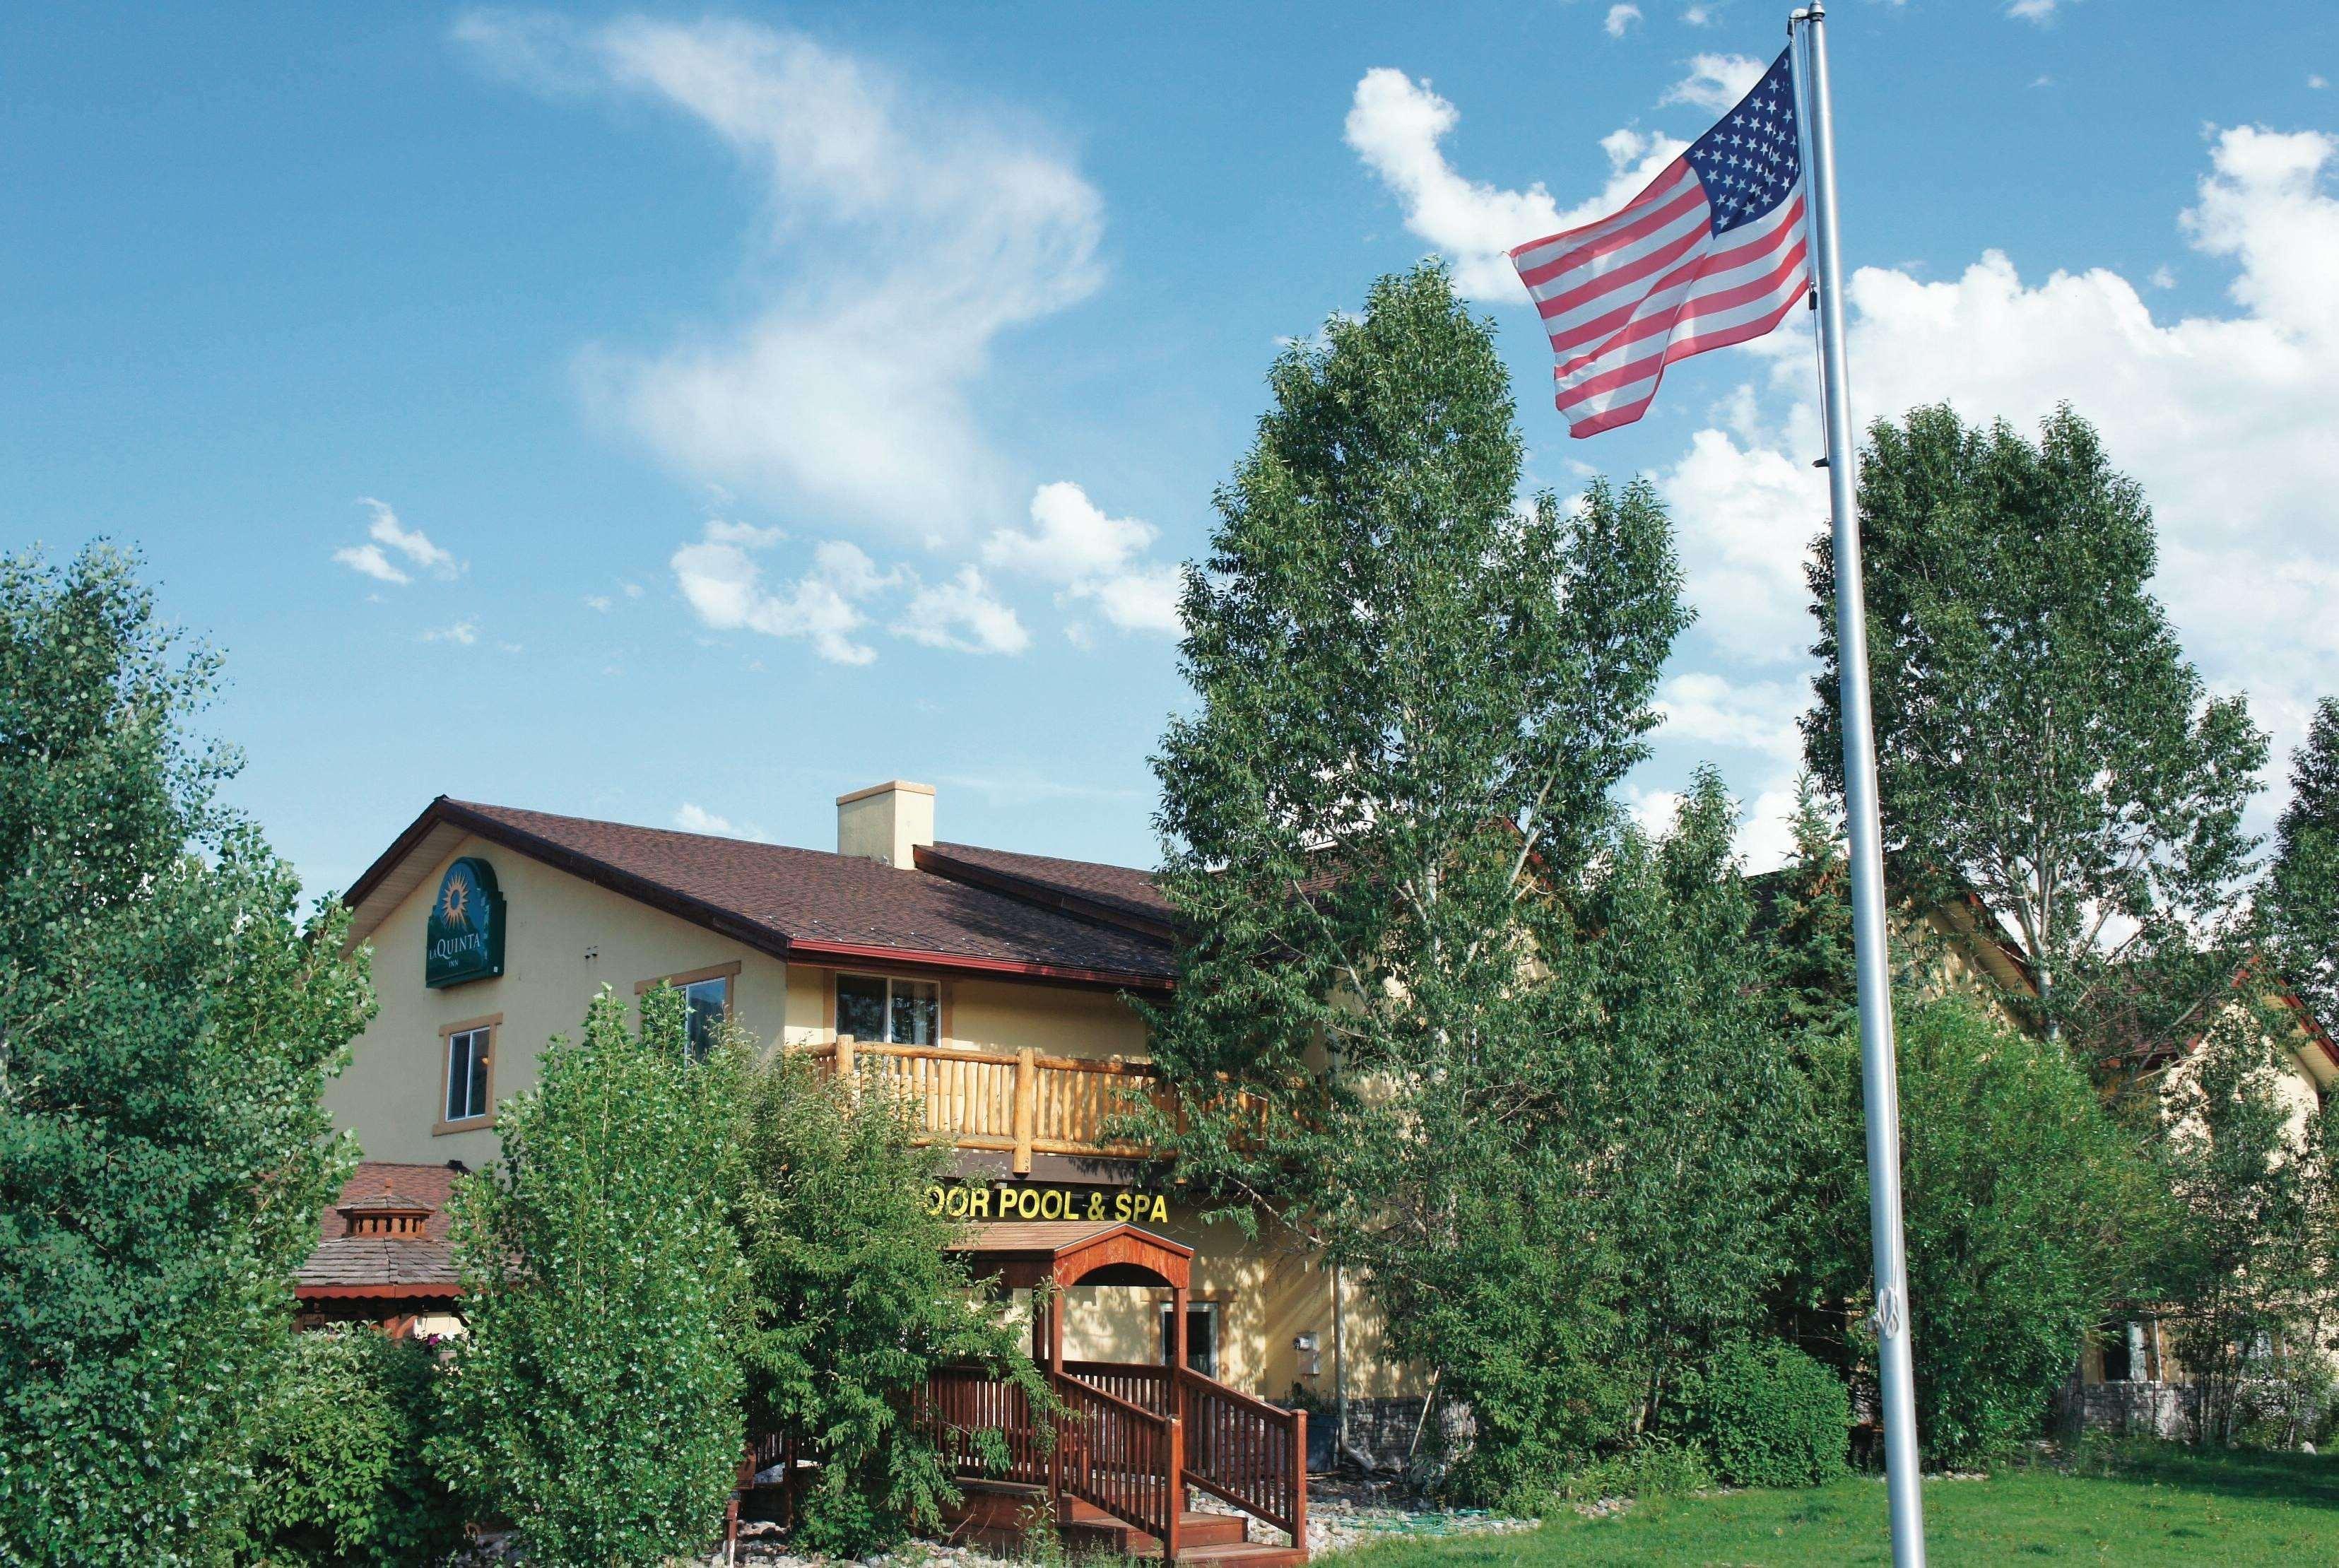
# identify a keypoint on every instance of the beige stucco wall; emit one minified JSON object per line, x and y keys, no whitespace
{"x":564,"y":938}
{"x":986,"y":1015}
{"x":1268,"y":1290}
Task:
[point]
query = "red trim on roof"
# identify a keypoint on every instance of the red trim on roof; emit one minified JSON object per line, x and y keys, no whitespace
{"x":403,"y":1291}
{"x":854,"y":952}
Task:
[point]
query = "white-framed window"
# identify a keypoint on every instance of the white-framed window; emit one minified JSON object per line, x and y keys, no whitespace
{"x":706,"y":1001}
{"x":884,"y":1010}
{"x":1201,"y":1336}
{"x":705,"y":1004}
{"x":468,"y":1059}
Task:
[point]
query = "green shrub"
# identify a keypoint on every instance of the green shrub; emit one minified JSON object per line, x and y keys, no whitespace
{"x":1767,"y":1414}
{"x":1654,"y":1467}
{"x":339,"y":1474}
{"x":857,"y":1302}
{"x":595,"y":1401}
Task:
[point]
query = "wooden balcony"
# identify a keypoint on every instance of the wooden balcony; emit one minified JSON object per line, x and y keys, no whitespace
{"x":1018,"y":1103}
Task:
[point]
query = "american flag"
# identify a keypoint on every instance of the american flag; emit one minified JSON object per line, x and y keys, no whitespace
{"x":1712,"y":254}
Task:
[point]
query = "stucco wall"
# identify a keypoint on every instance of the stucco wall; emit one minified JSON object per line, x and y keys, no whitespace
{"x":1268,"y":1291}
{"x":392,"y":1093}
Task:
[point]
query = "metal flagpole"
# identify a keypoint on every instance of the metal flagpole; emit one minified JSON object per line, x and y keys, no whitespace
{"x":1879,"y":1078}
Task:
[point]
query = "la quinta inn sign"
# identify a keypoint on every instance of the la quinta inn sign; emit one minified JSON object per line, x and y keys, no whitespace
{"x":463,"y":938}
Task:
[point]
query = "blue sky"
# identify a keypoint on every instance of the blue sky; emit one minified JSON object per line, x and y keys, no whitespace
{"x":685,"y":416}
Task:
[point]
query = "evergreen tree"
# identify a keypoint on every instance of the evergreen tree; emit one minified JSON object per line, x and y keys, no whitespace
{"x":595,"y":1401}
{"x":2041,"y":739}
{"x":857,"y":1301}
{"x":2301,"y":897}
{"x":166,"y":1028}
{"x":1807,"y":922}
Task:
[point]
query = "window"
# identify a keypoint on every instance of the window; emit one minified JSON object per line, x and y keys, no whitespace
{"x":1201,"y":1336}
{"x":883,"y":1011}
{"x":705,"y":1003}
{"x":466,"y":1072}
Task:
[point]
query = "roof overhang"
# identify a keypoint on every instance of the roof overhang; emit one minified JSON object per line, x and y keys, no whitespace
{"x":445,"y":824}
{"x":1023,"y":1254}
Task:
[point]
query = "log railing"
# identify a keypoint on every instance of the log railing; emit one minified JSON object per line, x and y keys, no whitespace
{"x":1019,"y":1103}
{"x":1121,"y":1457}
{"x":1252,"y":1454}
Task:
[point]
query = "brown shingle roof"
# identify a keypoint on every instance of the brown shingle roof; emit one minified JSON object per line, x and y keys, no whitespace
{"x":1114,"y":894}
{"x":420,"y":1266}
{"x":809,"y":903}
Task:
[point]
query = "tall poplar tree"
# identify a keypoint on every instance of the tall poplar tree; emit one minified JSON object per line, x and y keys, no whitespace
{"x":2301,"y":897}
{"x":167,"y":1024}
{"x":1416,"y":693}
{"x":1433,"y":995}
{"x":2041,"y":738}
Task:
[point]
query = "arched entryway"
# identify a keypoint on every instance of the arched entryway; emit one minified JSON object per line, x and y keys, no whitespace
{"x":1135,"y":1437}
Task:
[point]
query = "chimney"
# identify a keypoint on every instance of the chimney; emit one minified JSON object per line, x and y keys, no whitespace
{"x":886,"y":821}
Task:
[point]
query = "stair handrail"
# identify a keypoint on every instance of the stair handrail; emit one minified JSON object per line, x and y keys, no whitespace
{"x":1259,"y":1464}
{"x":1156,"y":1509}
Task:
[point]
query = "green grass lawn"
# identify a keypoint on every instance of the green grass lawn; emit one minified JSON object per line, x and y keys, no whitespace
{"x":2156,"y":1506}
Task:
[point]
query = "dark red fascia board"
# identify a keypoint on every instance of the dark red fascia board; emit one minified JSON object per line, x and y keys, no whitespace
{"x":442,"y":1292}
{"x":1048,"y":895}
{"x":714,"y":918}
{"x":912,"y":958}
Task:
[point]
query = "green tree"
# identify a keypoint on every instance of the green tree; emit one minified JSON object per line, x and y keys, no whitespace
{"x":166,"y":1028}
{"x":1416,"y":694}
{"x":339,"y":1472}
{"x":2252,"y":1191}
{"x":2301,"y":896}
{"x":595,"y":1401}
{"x":2041,"y":738}
{"x":1562,"y":1222}
{"x":2028,"y":1210}
{"x":1807,"y":922}
{"x":858,"y":1300}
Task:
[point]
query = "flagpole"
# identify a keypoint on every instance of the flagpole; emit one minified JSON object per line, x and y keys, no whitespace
{"x":1897,"y":1387}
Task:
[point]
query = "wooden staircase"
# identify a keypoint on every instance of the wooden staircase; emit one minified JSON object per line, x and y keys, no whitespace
{"x":1132,"y":1444}
{"x":1001,"y":1514}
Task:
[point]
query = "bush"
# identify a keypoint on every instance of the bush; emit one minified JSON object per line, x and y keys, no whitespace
{"x":2026,"y":1207}
{"x":595,"y":1401}
{"x":857,"y":1301}
{"x":167,"y":1025}
{"x":339,"y":1474}
{"x":1767,"y":1414}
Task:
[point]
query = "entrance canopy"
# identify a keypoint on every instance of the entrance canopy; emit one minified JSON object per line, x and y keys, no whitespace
{"x":1067,"y":1252}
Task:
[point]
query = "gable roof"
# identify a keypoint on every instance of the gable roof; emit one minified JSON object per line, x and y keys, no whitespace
{"x":1116,"y":895}
{"x":802,"y":904}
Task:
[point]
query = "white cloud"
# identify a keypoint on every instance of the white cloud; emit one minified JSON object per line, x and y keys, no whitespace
{"x":600,"y":602}
{"x":368,"y":560}
{"x":1070,"y":538}
{"x":1145,"y":600}
{"x":2317,"y":84}
{"x":724,"y":585}
{"x":911,"y":236}
{"x":1698,"y":16}
{"x":463,"y":632}
{"x":1395,"y":125}
{"x":691,"y":817}
{"x":1751,"y":715}
{"x":962,"y":614}
{"x":1620,"y":18}
{"x":1091,"y":557}
{"x":1715,"y":82}
{"x":387,"y":535}
{"x":2041,"y":11}
{"x":2223,"y":417}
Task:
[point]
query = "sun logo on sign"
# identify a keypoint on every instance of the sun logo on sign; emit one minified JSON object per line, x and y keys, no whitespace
{"x":454,"y":900}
